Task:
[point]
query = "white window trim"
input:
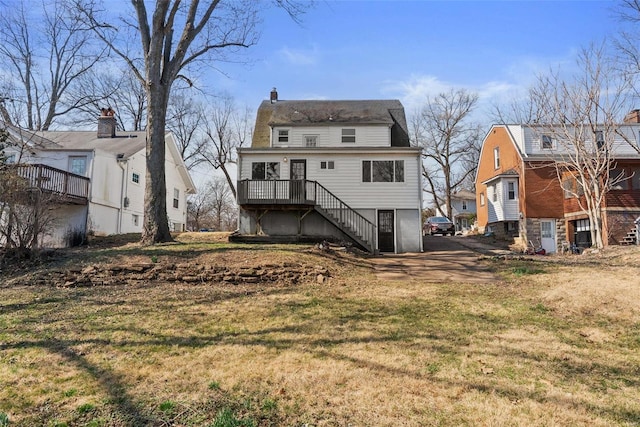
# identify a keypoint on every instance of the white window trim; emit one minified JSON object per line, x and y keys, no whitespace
{"x":277,"y":135}
{"x":354,"y":136}
{"x":553,"y":142}
{"x":496,"y":158}
{"x":515,"y":190}
{"x":176,"y":199}
{"x":308,"y":137}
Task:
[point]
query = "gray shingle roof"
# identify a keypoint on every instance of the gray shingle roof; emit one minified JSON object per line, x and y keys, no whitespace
{"x":319,"y":113}
{"x":126,"y":143}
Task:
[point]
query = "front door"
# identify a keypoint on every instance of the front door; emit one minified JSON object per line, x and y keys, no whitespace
{"x":386,"y":238}
{"x":297,"y":175}
{"x":548,"y":235}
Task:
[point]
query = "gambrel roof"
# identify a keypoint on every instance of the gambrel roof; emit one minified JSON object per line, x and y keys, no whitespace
{"x":283,"y":113}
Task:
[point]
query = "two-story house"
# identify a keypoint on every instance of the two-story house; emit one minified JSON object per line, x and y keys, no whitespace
{"x":97,"y":178}
{"x":519,"y":193}
{"x":341,"y":170}
{"x":463,"y":210}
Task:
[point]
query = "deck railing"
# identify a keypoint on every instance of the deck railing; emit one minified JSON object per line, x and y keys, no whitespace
{"x":304,"y":192}
{"x":54,"y":181}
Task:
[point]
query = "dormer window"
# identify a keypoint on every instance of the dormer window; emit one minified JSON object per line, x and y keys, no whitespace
{"x":349,"y":135}
{"x":599,"y":136}
{"x":283,"y":135}
{"x":546,"y":142}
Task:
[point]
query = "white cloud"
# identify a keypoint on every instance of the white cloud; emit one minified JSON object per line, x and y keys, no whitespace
{"x":414,"y":91}
{"x":300,"y":57}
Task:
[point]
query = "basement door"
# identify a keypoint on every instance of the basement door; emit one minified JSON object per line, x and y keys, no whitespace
{"x":548,"y":235}
{"x":386,"y":237}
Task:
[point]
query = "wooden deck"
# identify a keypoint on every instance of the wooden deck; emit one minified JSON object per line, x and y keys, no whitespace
{"x":65,"y":186}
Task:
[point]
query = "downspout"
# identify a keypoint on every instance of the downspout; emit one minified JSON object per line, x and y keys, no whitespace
{"x":238,"y":176}
{"x":419,"y":160}
{"x":120,"y":159}
{"x":89,"y":198}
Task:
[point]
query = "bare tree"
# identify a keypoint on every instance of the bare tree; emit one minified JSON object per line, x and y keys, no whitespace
{"x":450,"y":142}
{"x":117,"y":89}
{"x":227,"y":129}
{"x":213,"y":207}
{"x":202,"y":31}
{"x":185,"y":119}
{"x":582,"y":114}
{"x":47,"y":53}
{"x":25,"y":215}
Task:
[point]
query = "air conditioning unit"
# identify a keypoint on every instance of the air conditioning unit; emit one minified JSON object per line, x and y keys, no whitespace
{"x":126,"y":202}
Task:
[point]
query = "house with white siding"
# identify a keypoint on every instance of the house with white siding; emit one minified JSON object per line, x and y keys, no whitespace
{"x":463,"y":210}
{"x":97,"y":179}
{"x":335,"y":170}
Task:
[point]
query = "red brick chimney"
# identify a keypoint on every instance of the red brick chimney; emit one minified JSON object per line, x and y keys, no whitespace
{"x":107,"y":123}
{"x":632,"y":116}
{"x":274,"y":95}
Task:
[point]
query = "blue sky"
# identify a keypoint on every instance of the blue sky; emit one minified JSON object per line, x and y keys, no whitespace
{"x":411,"y":49}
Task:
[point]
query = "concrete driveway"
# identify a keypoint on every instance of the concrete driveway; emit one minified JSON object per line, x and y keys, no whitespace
{"x":445,"y":259}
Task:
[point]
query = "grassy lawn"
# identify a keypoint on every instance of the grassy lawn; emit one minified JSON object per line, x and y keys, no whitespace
{"x":553,"y":343}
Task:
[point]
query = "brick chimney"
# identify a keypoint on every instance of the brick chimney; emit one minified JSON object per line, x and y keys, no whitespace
{"x":632,"y":116}
{"x":274,"y":95}
{"x":107,"y":123}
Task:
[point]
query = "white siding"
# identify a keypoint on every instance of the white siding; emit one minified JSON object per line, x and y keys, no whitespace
{"x":502,"y":209}
{"x":623,"y":146}
{"x":345,"y":181}
{"x":331,"y":136}
{"x":174,"y":181}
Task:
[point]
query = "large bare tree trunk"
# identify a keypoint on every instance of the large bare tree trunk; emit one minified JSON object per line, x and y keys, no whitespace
{"x":156,"y":224}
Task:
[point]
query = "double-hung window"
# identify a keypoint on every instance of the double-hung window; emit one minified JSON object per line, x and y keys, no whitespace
{"x":546,"y":142}
{"x":496,"y":158}
{"x":176,"y":198}
{"x":283,"y":135}
{"x":511,"y":190}
{"x":349,"y":135}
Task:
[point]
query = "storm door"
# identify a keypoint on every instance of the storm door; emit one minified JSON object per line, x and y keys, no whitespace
{"x":297,"y":177}
{"x":386,"y":238}
{"x":548,"y":235}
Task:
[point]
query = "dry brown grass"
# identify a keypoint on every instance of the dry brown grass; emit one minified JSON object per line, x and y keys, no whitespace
{"x":555,"y":348}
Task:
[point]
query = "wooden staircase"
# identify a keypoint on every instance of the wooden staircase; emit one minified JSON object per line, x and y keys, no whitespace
{"x":345,"y":218}
{"x":305,"y":195}
{"x":630,"y":238}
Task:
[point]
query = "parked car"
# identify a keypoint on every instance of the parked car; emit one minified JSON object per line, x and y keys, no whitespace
{"x":439,"y":225}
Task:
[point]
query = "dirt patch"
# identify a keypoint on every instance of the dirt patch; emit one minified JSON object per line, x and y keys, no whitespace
{"x":445,"y":260}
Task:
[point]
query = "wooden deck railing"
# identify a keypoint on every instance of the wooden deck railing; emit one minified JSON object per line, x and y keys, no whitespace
{"x":311,"y":193}
{"x":55,"y":181}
